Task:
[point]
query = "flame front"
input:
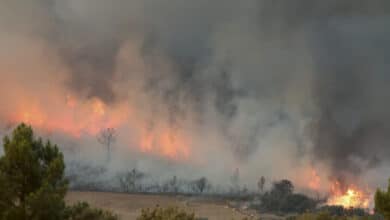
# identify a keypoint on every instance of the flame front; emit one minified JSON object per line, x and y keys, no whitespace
{"x":77,"y":117}
{"x":166,"y":143}
{"x":71,"y":116}
{"x":350,"y":196}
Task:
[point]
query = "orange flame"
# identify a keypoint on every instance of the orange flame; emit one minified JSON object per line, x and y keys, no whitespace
{"x":77,"y":117}
{"x":351,"y":196}
{"x":72,"y":117}
{"x":166,"y":143}
{"x":314,"y":182}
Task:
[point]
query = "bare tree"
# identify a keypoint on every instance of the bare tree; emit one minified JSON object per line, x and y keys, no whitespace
{"x":173,"y":185}
{"x":235,"y":181}
{"x":200,"y":185}
{"x":107,"y":138}
{"x":131,"y":181}
{"x":260,"y":184}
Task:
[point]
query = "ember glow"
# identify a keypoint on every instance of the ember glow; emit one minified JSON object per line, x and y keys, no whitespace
{"x":350,"y":196}
{"x":315,"y":181}
{"x":70,"y":117}
{"x":166,"y":143}
{"x":346,"y":195}
{"x":75,"y":118}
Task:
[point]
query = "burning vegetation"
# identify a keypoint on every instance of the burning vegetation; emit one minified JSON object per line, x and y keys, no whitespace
{"x":78,"y":118}
{"x":340,"y":193}
{"x":349,"y":196}
{"x":196,"y":89}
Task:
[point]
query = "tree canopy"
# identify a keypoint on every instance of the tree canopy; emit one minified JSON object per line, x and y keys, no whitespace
{"x":281,"y":198}
{"x":382,"y":202}
{"x":32,"y":183}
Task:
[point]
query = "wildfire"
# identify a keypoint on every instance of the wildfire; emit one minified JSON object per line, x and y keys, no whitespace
{"x":71,"y":116}
{"x":314,"y":182}
{"x":340,"y":194}
{"x":165,"y":142}
{"x":350,"y":196}
{"x":77,"y":117}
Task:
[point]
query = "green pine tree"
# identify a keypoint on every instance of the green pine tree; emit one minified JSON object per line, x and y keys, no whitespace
{"x":32,"y":183}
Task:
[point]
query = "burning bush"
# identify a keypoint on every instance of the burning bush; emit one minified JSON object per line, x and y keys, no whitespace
{"x":348,"y":195}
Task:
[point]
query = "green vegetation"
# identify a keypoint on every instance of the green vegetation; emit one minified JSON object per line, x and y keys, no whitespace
{"x":335,"y":210}
{"x":282,"y":199}
{"x":171,"y":213}
{"x":32,"y":183}
{"x":382,"y":202}
{"x":33,"y":187}
{"x":165,"y":214}
{"x":327,"y":216}
{"x":82,"y":211}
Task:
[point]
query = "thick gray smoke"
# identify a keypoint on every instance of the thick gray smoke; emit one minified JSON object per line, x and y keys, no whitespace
{"x":352,"y":132}
{"x":274,"y":87}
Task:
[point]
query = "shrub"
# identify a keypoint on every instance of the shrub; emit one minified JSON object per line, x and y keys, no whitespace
{"x":297,"y":203}
{"x":328,"y":216}
{"x":82,"y":211}
{"x":341,"y":211}
{"x":165,"y":214}
{"x":282,"y":199}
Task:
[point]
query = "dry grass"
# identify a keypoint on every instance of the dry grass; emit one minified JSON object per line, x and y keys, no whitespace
{"x":129,"y":206}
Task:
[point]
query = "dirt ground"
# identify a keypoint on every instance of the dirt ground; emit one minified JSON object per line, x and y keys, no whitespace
{"x":129,"y":206}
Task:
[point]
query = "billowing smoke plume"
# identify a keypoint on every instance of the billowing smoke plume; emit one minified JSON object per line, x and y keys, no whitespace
{"x":270,"y":87}
{"x":352,"y":131}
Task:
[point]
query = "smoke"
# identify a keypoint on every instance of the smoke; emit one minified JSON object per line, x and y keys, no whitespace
{"x":352,"y":128}
{"x":270,"y":87}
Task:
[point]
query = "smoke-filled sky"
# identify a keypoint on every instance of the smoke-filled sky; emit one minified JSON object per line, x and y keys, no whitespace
{"x":274,"y":88}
